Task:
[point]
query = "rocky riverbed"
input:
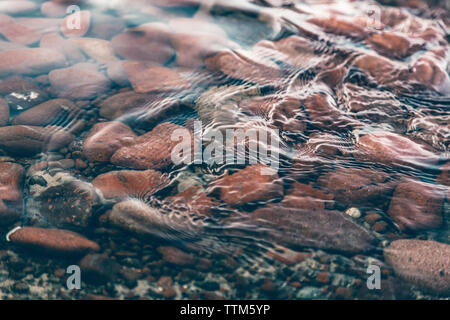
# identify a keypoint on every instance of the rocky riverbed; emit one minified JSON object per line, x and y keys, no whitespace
{"x":343,"y":188}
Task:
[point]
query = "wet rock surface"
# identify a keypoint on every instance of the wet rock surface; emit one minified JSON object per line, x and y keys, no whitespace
{"x":423,"y":263}
{"x":343,"y":128}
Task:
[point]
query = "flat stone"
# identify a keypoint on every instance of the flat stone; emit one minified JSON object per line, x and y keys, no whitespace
{"x":152,"y":150}
{"x":17,"y":7}
{"x":356,"y":187}
{"x":148,"y":78}
{"x":30,"y":61}
{"x":97,"y":49}
{"x":321,"y":229}
{"x":54,"y":241}
{"x":424,"y":263}
{"x":255,"y":183}
{"x":392,"y":44}
{"x":417,"y":206}
{"x":29,"y":140}
{"x":105,"y":138}
{"x":244,"y":65}
{"x":51,"y":112}
{"x":69,"y":49}
{"x":17,"y":33}
{"x":149,"y":42}
{"x":394,"y":149}
{"x":130,"y":183}
{"x":81,"y":81}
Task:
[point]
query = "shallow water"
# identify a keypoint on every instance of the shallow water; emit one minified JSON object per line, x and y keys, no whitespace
{"x":349,"y":104}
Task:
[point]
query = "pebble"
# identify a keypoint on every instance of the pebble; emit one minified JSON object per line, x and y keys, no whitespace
{"x":353,"y":212}
{"x":30,"y":61}
{"x":105,"y":138}
{"x":81,"y":81}
{"x":424,"y":263}
{"x":151,"y":150}
{"x":255,"y":183}
{"x":54,"y":241}
{"x":417,"y":206}
{"x":130,"y":183}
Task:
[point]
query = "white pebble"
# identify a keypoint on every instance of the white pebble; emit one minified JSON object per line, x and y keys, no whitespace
{"x":353,"y":212}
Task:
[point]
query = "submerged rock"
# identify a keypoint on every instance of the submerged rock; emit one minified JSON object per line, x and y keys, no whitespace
{"x":321,"y":229}
{"x":148,"y":42}
{"x":417,"y":206}
{"x":394,"y":149}
{"x":255,"y":183}
{"x":130,"y":183}
{"x":29,"y":140}
{"x":153,"y":150}
{"x":354,"y":187}
{"x":147,"y":78}
{"x":81,"y":81}
{"x":53,"y":241}
{"x":30,"y":61}
{"x":105,"y":138}
{"x":11,"y":177}
{"x":52,"y":112}
{"x":424,"y":263}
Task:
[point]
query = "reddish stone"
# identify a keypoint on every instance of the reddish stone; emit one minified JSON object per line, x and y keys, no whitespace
{"x":322,"y":229}
{"x":176,"y":256}
{"x":130,"y":183}
{"x":392,"y":44}
{"x":293,"y":50}
{"x":11,"y":176}
{"x":193,"y":49}
{"x":152,"y":150}
{"x":17,"y":7}
{"x":81,"y":81}
{"x":423,"y":263}
{"x":288,"y":116}
{"x":355,"y":187}
{"x":287,"y":256}
{"x":16,"y":84}
{"x":339,"y":26}
{"x":117,"y":73}
{"x":323,"y":277}
{"x":417,"y":205}
{"x":246,"y":66}
{"x":344,"y":293}
{"x":4,"y":113}
{"x":147,"y":78}
{"x":55,"y":241}
{"x":53,"y":9}
{"x":125,"y":103}
{"x":17,"y":33}
{"x":394,"y":149}
{"x":429,"y":71}
{"x":30,"y":61}
{"x":255,"y":183}
{"x":47,"y":113}
{"x":148,"y":42}
{"x":105,"y":138}
{"x":97,"y":49}
{"x":77,"y":24}
{"x":383,"y":70}
{"x":69,"y":49}
{"x":29,"y":140}
{"x":307,"y":197}
{"x":193,"y":199}
{"x":323,"y":113}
